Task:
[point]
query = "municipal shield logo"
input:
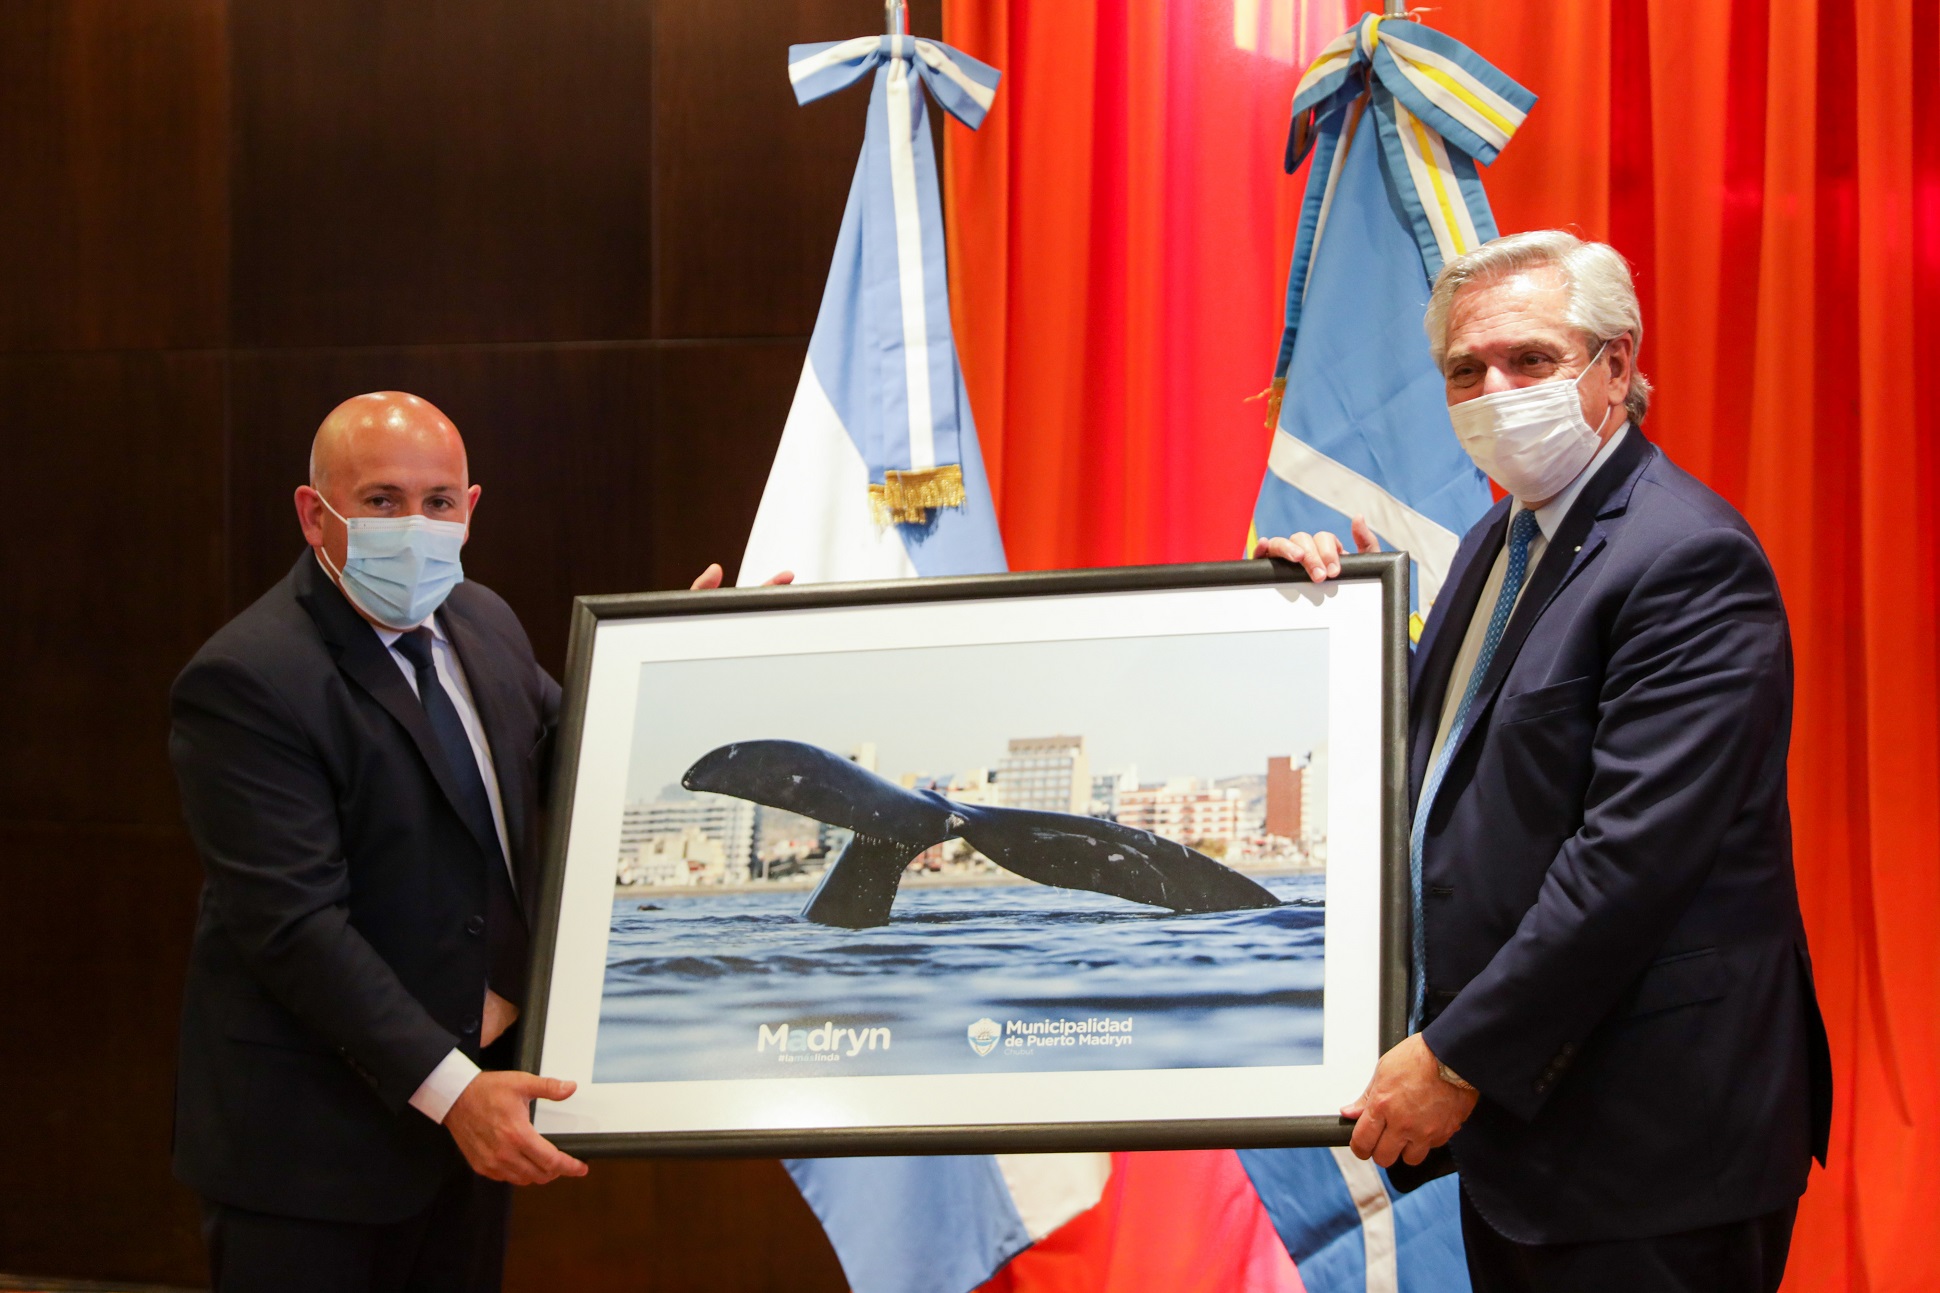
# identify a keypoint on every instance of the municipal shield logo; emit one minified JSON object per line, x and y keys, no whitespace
{"x":984,"y":1034}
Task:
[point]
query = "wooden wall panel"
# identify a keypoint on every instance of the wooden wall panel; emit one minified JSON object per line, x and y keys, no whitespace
{"x":670,"y":1227}
{"x":93,"y":956}
{"x":221,"y":218}
{"x":113,"y":174}
{"x":748,"y":186}
{"x":113,"y":575}
{"x":441,"y":170}
{"x":718,"y":414}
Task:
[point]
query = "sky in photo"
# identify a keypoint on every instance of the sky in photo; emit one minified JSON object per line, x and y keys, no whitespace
{"x":1193,"y":705}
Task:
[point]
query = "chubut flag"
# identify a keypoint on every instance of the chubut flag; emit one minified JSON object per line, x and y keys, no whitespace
{"x":1396,"y":117}
{"x":878,"y":475}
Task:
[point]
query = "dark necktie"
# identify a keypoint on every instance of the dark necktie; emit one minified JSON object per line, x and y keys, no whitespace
{"x":1522,"y":533}
{"x":505,"y":932}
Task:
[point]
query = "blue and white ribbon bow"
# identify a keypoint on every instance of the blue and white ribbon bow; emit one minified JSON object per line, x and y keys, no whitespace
{"x":910,"y":419}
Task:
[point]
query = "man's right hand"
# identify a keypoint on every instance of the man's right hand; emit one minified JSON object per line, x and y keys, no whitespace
{"x":1319,"y":553}
{"x":712,"y":576}
{"x":494,"y":1131}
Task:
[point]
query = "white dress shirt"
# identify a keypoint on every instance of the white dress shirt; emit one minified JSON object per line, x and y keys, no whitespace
{"x":1549,"y":518}
{"x":438,"y":1092}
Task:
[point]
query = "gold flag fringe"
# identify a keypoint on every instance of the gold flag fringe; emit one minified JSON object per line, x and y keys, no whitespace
{"x":1273,"y":395}
{"x":908,"y":496}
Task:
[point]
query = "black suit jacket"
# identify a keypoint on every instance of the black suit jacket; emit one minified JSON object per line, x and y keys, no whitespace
{"x":338,"y":956}
{"x":1615,"y":954}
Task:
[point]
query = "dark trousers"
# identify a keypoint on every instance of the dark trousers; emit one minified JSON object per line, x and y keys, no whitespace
{"x":457,"y":1245}
{"x":1738,"y":1257}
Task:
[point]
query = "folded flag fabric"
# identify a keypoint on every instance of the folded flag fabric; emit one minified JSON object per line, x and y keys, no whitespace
{"x":1396,"y":117}
{"x":947,"y":1223}
{"x":1349,"y":1231}
{"x":878,"y":475}
{"x":1184,"y":1222}
{"x":1207,"y":1221}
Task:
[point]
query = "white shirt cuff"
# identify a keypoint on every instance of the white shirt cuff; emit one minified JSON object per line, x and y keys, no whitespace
{"x":437,"y":1093}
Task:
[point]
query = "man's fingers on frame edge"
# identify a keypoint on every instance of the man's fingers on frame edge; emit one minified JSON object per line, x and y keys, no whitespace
{"x":548,"y":1156}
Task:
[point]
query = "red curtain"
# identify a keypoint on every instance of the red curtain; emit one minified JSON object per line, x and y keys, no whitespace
{"x":1119,"y":238}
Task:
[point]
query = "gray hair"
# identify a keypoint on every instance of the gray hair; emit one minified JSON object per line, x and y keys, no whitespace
{"x":1602,"y":297}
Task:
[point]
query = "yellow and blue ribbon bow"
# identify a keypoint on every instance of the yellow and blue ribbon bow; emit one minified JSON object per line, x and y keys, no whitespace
{"x":1357,"y":409}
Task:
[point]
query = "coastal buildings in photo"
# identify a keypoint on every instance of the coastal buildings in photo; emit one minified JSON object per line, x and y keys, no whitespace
{"x":1048,"y":773}
{"x":682,"y":838}
{"x":1272,"y":821}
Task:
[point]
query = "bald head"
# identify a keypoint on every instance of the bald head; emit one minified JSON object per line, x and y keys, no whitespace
{"x":385,"y":454}
{"x":370,"y":431}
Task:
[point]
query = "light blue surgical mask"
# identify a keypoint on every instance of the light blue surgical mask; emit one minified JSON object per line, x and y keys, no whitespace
{"x":398,"y":569}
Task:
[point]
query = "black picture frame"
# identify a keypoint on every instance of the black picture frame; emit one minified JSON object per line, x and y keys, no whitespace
{"x":1389,"y":570}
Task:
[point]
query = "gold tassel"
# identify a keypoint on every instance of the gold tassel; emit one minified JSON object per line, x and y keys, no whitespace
{"x":908,"y":496}
{"x":1273,"y":395}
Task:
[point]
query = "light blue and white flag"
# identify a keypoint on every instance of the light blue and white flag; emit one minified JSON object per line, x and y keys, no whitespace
{"x":1397,"y":116}
{"x":879,"y":475}
{"x":943,"y":1223}
{"x":1350,"y":1231}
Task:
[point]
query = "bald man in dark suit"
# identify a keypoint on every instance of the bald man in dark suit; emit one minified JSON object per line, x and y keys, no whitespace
{"x":360,"y":755}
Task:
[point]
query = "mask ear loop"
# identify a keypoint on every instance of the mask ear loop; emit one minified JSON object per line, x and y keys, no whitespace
{"x":1587,"y":368}
{"x":322,"y":554}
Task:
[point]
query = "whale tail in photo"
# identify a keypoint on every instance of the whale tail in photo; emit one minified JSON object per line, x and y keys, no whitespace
{"x":892,"y":825}
{"x":858,"y":888}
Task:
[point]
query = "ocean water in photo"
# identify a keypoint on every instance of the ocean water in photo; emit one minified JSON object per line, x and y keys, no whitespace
{"x":1001,"y":978}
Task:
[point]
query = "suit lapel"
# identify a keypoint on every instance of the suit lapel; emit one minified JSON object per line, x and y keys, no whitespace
{"x":1442,"y":640}
{"x":1580,"y":537}
{"x":496,"y":699}
{"x":366,"y":661}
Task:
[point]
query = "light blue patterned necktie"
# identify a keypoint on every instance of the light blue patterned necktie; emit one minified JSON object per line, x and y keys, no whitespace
{"x":1522,"y":532}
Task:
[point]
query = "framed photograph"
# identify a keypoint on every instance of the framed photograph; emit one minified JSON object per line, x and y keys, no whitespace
{"x":1033,"y":862}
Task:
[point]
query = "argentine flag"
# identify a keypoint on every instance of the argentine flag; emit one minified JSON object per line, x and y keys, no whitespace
{"x":1396,"y":116}
{"x":879,"y":475}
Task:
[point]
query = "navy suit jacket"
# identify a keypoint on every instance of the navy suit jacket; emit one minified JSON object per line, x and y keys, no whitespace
{"x":1615,"y":954}
{"x":337,"y":955}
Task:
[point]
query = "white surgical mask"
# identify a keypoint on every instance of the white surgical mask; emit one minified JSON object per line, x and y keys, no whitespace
{"x":1532,"y":440}
{"x":398,"y":569}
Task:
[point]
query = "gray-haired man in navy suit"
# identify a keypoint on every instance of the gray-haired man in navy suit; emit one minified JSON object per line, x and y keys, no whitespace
{"x":1615,"y":1031}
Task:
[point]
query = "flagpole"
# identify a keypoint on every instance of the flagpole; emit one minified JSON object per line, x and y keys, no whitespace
{"x":893,"y":16}
{"x":1396,"y":9}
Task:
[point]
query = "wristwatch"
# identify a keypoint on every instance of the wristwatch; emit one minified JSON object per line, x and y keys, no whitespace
{"x":1451,"y":1077}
